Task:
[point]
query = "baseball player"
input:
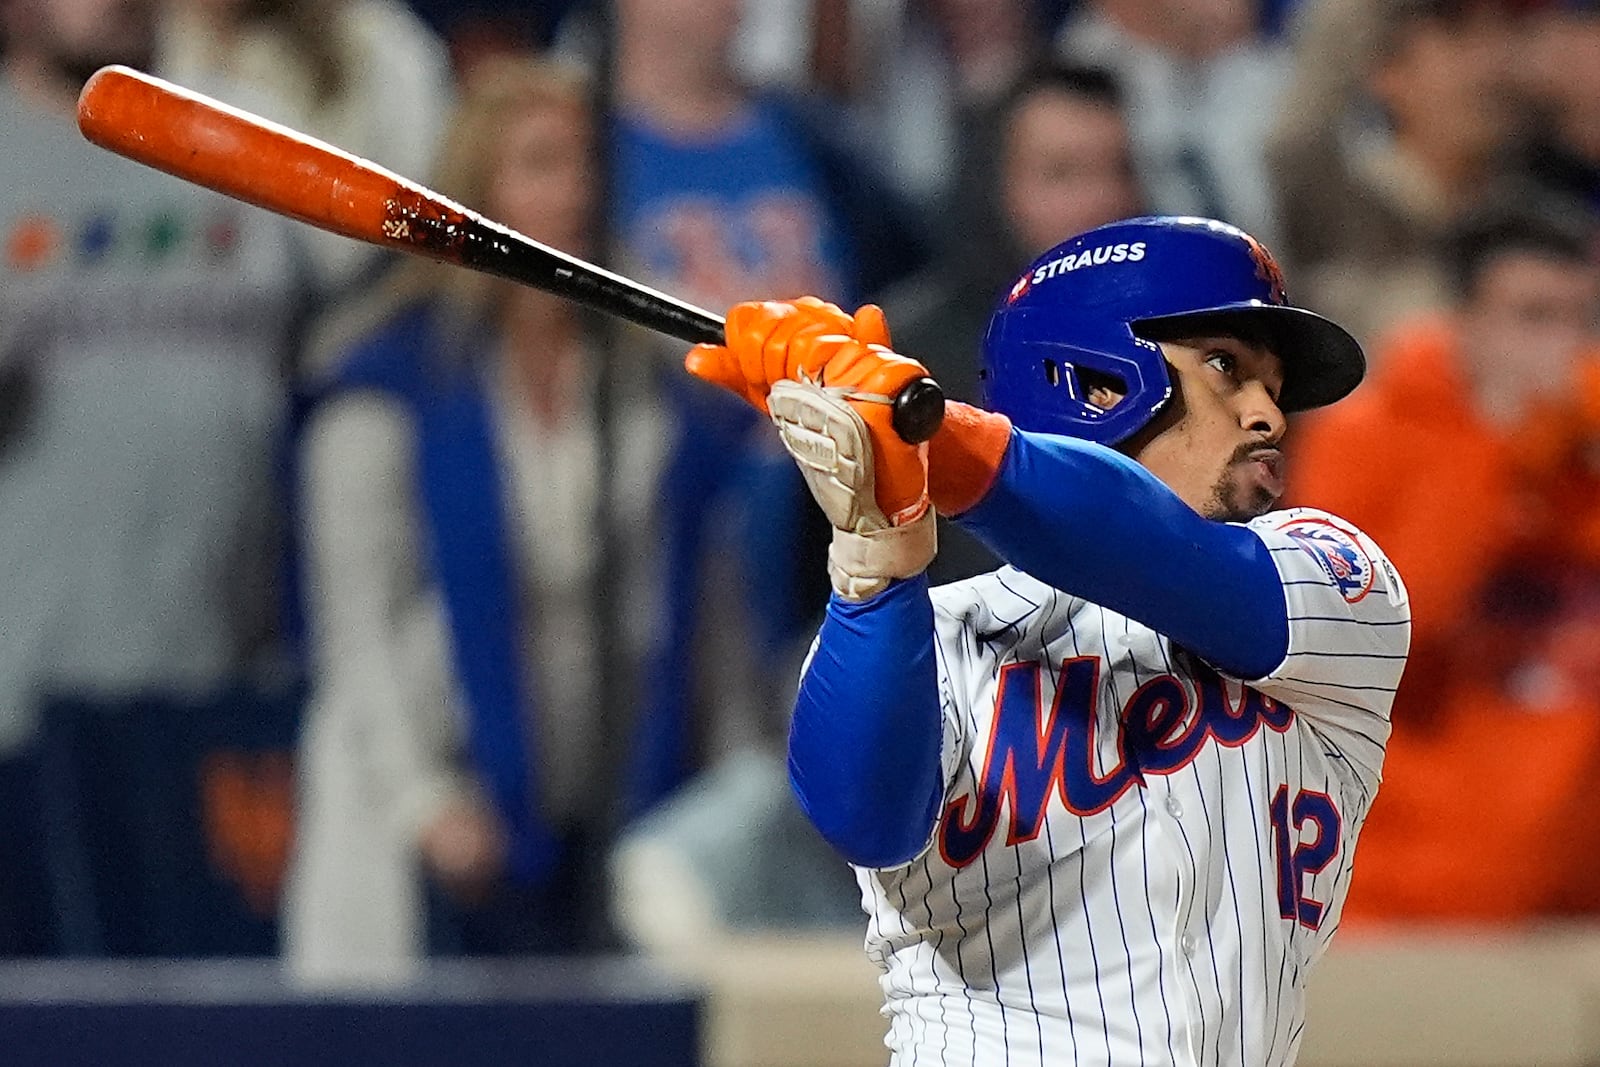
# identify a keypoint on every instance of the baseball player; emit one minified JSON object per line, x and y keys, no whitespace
{"x":1102,"y":802}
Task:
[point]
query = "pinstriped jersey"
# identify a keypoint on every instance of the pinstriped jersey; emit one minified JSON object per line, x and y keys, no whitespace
{"x":1138,"y":859}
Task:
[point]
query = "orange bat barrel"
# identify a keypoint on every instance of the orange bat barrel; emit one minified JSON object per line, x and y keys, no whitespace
{"x":249,"y":158}
{"x":207,"y":142}
{"x":220,"y":147}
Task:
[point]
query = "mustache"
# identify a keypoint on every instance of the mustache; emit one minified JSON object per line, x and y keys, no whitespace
{"x":1229,"y":510}
{"x":1251,"y":450}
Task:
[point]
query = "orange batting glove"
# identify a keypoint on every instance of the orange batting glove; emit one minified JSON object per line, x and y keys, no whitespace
{"x":868,"y":377}
{"x":809,"y":340}
{"x":765,"y":346}
{"x":760,"y":348}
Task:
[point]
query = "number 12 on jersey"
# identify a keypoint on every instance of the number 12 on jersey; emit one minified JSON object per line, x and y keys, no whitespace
{"x":1299,"y":859}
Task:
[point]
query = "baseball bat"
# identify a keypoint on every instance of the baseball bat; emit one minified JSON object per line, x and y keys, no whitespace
{"x":244,"y":156}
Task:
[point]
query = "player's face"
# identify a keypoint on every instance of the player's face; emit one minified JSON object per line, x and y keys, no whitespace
{"x":1216,"y":443}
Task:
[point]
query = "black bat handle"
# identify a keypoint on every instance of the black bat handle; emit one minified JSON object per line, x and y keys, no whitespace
{"x":918,"y":408}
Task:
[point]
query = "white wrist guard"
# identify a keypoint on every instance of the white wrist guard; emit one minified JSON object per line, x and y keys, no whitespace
{"x":863,"y":565}
{"x":833,"y":446}
{"x":831,"y":443}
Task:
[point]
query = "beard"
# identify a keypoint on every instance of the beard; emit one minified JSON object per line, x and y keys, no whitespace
{"x":1236,"y":503}
{"x":1232,"y":499}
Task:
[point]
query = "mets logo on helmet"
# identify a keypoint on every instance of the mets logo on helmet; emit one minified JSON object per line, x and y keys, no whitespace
{"x":1338,"y":552}
{"x":1267,"y":269}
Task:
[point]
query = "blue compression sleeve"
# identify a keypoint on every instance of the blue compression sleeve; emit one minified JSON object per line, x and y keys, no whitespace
{"x":864,"y":743}
{"x":1092,"y":522}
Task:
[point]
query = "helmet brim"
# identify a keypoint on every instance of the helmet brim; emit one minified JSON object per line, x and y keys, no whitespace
{"x":1322,"y":362}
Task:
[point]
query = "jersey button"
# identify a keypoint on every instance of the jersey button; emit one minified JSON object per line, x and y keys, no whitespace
{"x":1174,"y":808}
{"x":1187,"y":944}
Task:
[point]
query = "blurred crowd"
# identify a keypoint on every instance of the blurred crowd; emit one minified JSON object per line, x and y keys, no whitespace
{"x":365,"y":610}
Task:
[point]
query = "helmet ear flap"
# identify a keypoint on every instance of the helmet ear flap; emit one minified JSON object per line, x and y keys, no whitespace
{"x":1103,"y":391}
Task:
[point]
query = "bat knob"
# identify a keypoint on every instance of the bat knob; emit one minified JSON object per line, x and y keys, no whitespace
{"x":918,"y":411}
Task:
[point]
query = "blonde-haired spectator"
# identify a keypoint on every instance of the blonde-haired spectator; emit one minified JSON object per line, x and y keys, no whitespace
{"x":453,"y":507}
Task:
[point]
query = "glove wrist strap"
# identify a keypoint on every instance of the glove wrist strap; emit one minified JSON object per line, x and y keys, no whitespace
{"x":861,"y":565}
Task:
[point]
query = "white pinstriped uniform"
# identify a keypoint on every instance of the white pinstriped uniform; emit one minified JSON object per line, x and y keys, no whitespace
{"x":1134,"y":912}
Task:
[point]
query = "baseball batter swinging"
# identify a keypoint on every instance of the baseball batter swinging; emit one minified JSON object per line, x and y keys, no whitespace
{"x":1102,"y":802}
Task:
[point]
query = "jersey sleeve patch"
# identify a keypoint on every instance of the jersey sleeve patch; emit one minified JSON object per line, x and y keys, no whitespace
{"x":1337,"y":552}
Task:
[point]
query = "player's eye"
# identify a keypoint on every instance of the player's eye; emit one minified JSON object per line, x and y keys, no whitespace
{"x":1224,"y":361}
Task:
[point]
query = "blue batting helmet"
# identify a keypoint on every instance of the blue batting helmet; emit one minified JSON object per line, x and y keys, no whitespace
{"x":1084,"y":309}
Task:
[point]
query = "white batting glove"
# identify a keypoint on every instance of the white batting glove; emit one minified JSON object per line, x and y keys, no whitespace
{"x":831,"y":442}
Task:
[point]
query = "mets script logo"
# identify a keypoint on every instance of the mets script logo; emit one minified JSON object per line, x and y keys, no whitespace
{"x":1337,"y":552}
{"x":1034,"y":757}
{"x":1267,"y":269}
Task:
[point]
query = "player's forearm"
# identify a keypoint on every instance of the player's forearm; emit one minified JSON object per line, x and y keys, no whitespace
{"x":1093,"y":523}
{"x":864,"y":743}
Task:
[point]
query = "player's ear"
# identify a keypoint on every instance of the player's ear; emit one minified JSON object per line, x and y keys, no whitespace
{"x":1103,"y":398}
{"x":1104,"y":391}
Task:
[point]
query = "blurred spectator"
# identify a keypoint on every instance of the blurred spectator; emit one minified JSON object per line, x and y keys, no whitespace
{"x":144,"y":331}
{"x":1562,"y":73}
{"x":1277,"y":14}
{"x":730,"y":852}
{"x":730,"y":191}
{"x":365,"y":75}
{"x":1056,"y":163}
{"x":922,"y":77}
{"x":1202,"y":88}
{"x":474,"y":29}
{"x":722,"y":195}
{"x":452,"y":782}
{"x":1365,"y":198}
{"x":1470,"y":457}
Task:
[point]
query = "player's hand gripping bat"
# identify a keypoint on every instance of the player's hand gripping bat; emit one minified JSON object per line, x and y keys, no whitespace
{"x":234,"y":152}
